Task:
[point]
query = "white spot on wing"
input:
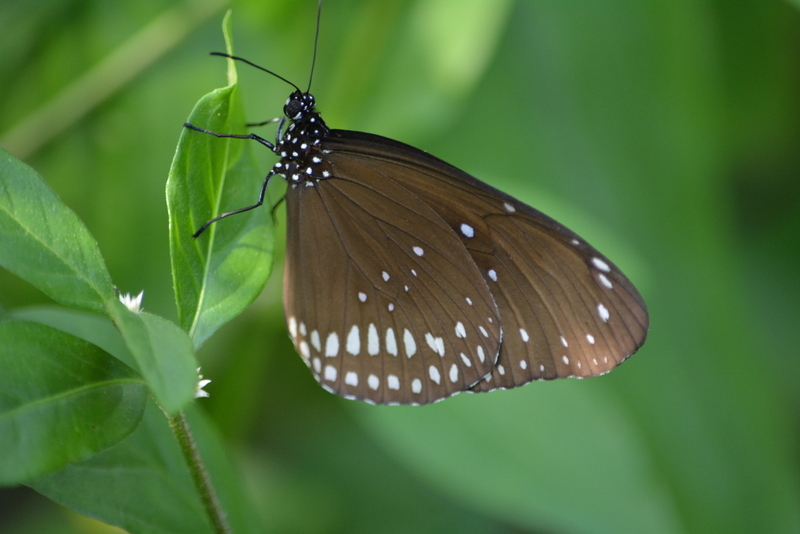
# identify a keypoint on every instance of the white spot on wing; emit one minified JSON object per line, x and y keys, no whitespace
{"x":373,"y":382}
{"x":315,"y":340}
{"x":523,"y":364}
{"x":460,"y":331}
{"x":590,"y":339}
{"x":483,"y":331}
{"x":469,"y":301}
{"x":393,"y":382}
{"x":564,"y":341}
{"x":362,"y":296}
{"x":509,"y":208}
{"x":524,"y":335}
{"x":453,"y":373}
{"x":492,"y":274}
{"x":435,"y":343}
{"x":317,"y":364}
{"x":416,"y":385}
{"x":501,"y":370}
{"x":353,"y":341}
{"x":600,"y":264}
{"x":481,"y":356}
{"x":330,"y":373}
{"x":433,"y":372}
{"x":467,"y":230}
{"x":391,"y":307}
{"x":293,"y":326}
{"x":303,"y":331}
{"x":466,"y":360}
{"x":351,"y":378}
{"x":304,"y":350}
{"x":332,"y":345}
{"x":391,"y":342}
{"x":602,"y":311}
{"x":410,"y":344}
{"x":431,"y":343}
{"x":418,"y":251}
{"x":605,"y":281}
{"x":565,"y":360}
{"x":385,"y":276}
{"x":373,"y":341}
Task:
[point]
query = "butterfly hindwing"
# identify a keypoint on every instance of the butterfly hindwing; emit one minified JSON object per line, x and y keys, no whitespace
{"x":380,"y":310}
{"x":565,"y":309}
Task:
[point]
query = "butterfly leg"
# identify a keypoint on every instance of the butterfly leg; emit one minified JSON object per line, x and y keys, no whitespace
{"x":234,"y":136}
{"x":264,"y":123}
{"x":279,"y":131}
{"x":241,"y":210}
{"x":275,"y":207}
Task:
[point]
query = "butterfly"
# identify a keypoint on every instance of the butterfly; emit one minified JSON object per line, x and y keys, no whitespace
{"x":408,"y":280}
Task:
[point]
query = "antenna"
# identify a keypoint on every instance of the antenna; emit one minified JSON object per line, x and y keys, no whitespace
{"x":316,"y":40}
{"x":237,"y":58}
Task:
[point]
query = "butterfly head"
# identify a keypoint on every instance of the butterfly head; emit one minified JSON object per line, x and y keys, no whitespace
{"x":298,"y":104}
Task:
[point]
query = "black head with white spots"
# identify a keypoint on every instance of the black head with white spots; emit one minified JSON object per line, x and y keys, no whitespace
{"x":300,"y":148}
{"x":298,"y":104}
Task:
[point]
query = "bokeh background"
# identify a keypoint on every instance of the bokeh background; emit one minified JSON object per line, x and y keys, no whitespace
{"x":667,"y":133}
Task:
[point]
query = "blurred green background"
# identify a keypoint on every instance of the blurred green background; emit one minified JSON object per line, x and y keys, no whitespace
{"x":667,"y":133}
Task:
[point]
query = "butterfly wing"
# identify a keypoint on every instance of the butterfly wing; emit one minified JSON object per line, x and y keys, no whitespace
{"x":380,"y":310}
{"x":565,"y":309}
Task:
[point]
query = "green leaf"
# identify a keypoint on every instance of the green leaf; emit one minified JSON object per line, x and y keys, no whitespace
{"x":44,"y":242}
{"x":217,"y":275}
{"x":95,"y":328}
{"x":160,"y":350}
{"x":163,"y":352}
{"x":62,"y":400}
{"x":143,"y":485}
{"x":574,"y":463}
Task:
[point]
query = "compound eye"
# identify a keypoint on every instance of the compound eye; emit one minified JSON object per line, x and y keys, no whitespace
{"x":292,"y":109}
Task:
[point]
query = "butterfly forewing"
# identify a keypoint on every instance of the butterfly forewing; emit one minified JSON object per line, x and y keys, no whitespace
{"x":550,"y":309}
{"x":565,"y":309}
{"x":382,"y":300}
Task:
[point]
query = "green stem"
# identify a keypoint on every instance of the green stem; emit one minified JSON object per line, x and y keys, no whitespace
{"x":180,"y":427}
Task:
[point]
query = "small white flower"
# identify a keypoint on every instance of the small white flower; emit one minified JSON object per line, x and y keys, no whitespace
{"x":201,"y":383}
{"x":134,"y":304}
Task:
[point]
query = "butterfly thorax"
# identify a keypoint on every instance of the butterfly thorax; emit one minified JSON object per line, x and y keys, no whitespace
{"x":300,"y":148}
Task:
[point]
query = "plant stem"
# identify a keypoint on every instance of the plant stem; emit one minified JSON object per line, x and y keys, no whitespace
{"x":180,"y":427}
